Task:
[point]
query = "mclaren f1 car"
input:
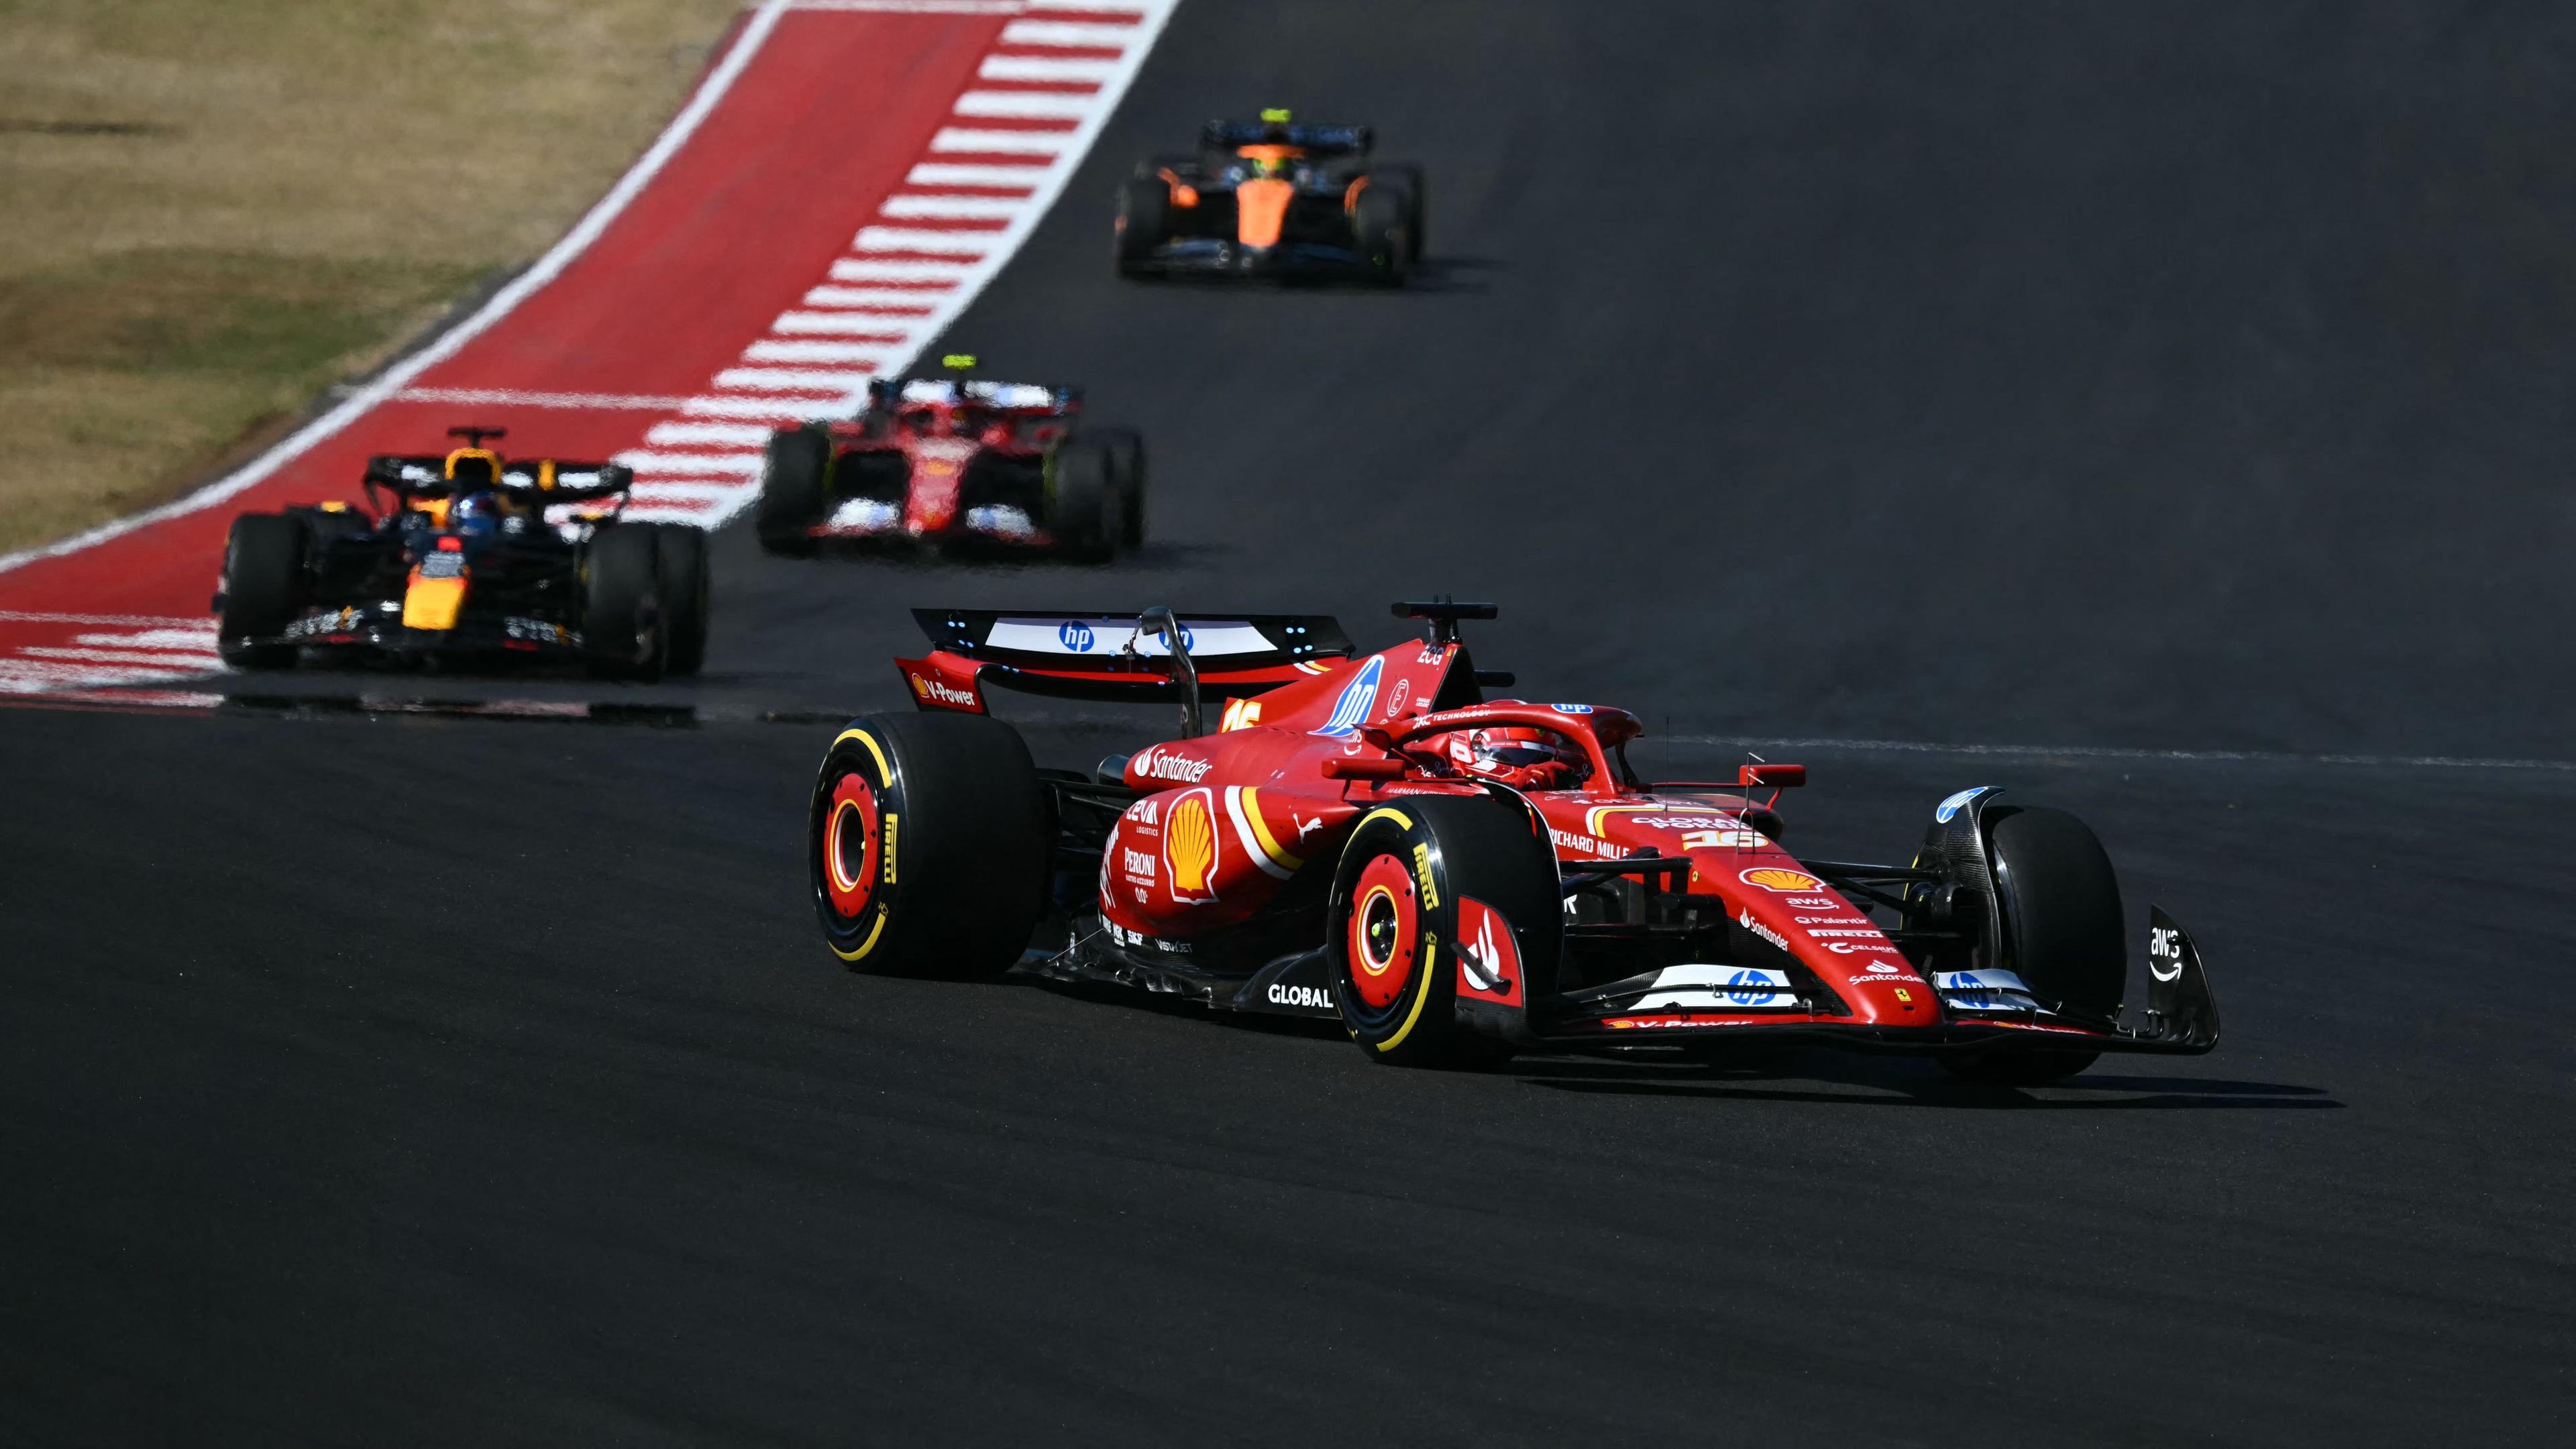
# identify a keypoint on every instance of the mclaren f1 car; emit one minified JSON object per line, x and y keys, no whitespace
{"x":467,"y":555}
{"x":957,"y":463}
{"x":1273,"y":198}
{"x":1368,"y":838}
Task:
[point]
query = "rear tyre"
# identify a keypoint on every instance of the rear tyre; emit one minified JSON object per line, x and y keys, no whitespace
{"x":1378,"y":234}
{"x":1395,"y":914}
{"x":621,"y":613}
{"x":1084,"y":505}
{"x":795,"y":489}
{"x":1127,"y":471}
{"x":263,"y":589}
{"x":1407,"y":178}
{"x":1144,"y":222}
{"x":928,"y":845}
{"x":683,"y":595}
{"x":2062,"y":933}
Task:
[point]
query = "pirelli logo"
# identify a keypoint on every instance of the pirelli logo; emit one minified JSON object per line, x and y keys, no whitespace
{"x":1422,"y":872}
{"x":892,"y":820}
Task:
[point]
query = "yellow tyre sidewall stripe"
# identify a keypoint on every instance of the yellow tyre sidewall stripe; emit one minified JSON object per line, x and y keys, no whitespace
{"x":884,"y":782}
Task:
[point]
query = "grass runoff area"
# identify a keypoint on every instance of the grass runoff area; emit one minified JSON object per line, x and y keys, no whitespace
{"x":212,"y":210}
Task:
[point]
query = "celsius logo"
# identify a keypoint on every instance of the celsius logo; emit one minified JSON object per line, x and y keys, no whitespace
{"x":1950,"y":807}
{"x":1076,"y":636}
{"x":1356,"y":698}
{"x":1155,"y":764}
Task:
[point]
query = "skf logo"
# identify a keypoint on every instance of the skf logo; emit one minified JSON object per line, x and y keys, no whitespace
{"x":1189,"y":848}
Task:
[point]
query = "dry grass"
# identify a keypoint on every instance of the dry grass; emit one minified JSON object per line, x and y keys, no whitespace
{"x":212,"y":209}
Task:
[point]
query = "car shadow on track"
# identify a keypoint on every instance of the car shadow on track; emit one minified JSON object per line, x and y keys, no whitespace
{"x":1813,"y":1076}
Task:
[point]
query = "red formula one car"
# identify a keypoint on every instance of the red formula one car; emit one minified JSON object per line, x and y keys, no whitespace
{"x":1370,"y":839}
{"x":958,"y":463}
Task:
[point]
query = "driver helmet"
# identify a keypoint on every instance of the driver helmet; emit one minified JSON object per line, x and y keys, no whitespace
{"x":1518,"y":756}
{"x":475,"y":514}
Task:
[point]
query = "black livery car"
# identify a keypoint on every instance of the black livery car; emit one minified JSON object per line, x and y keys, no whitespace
{"x":456,"y":556}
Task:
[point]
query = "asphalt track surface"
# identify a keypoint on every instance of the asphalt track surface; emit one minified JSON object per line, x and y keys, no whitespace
{"x":2183,"y":379}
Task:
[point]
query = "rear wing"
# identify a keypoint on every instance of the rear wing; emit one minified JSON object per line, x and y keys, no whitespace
{"x":892,"y":392}
{"x":549,"y":480}
{"x":1315,"y":140}
{"x":1118,"y":657}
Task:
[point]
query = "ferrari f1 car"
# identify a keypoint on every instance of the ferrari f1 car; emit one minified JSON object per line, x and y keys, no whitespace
{"x":468,"y":555}
{"x":1371,"y":840}
{"x":960,"y":463}
{"x":1272,"y":198}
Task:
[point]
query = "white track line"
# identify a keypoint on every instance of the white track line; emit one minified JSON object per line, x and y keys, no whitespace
{"x":930,"y":206}
{"x":1064,"y":34}
{"x":683,"y":434}
{"x":511,"y":397}
{"x":1044,"y":68}
{"x":755,"y":32}
{"x":161,"y":621}
{"x":1001,"y":143}
{"x":960,"y":173}
{"x":1025,"y":105}
{"x":847,"y":270}
{"x":2103,"y":752}
{"x":871,"y":299}
{"x":786,"y":409}
{"x":791,"y":379}
{"x":856,"y":325}
{"x":914,"y":239}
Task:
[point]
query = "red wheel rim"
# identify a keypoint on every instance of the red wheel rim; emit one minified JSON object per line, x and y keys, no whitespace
{"x":1384,"y":933}
{"x":850,"y":846}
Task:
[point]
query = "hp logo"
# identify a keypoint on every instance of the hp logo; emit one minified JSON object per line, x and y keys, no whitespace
{"x":1076,"y":636}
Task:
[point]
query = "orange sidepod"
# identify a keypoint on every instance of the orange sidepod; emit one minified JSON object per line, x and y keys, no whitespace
{"x":1261,"y":211}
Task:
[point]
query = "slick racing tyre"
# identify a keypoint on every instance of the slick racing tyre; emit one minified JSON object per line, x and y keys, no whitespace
{"x":928,"y":845}
{"x":1407,"y":178}
{"x":795,"y":489}
{"x":1378,"y":234}
{"x":621,"y":602}
{"x":683,"y":595}
{"x":2062,"y":933}
{"x":1127,"y":473}
{"x":1414,"y":873}
{"x":1084,"y":505}
{"x":262,"y":588}
{"x":1144,"y":222}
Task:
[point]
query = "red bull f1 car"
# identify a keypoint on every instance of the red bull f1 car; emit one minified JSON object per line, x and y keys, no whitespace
{"x":1270,"y":198}
{"x":467,"y":555}
{"x":1372,"y":840}
{"x":961,"y":464}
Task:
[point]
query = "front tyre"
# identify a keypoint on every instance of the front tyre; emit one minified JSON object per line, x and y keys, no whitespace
{"x":263,"y":589}
{"x":683,"y":595}
{"x":2063,"y":934}
{"x":1144,"y":223}
{"x":1399,"y":898}
{"x":621,"y":602}
{"x":795,"y":490}
{"x":1085,"y":506}
{"x":928,"y":845}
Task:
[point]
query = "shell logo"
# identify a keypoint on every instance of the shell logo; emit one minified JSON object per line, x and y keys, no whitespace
{"x":1189,"y":847}
{"x":1772,"y":878}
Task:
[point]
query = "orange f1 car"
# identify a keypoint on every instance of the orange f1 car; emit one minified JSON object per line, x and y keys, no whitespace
{"x":1276,"y":199}
{"x":1370,"y":840}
